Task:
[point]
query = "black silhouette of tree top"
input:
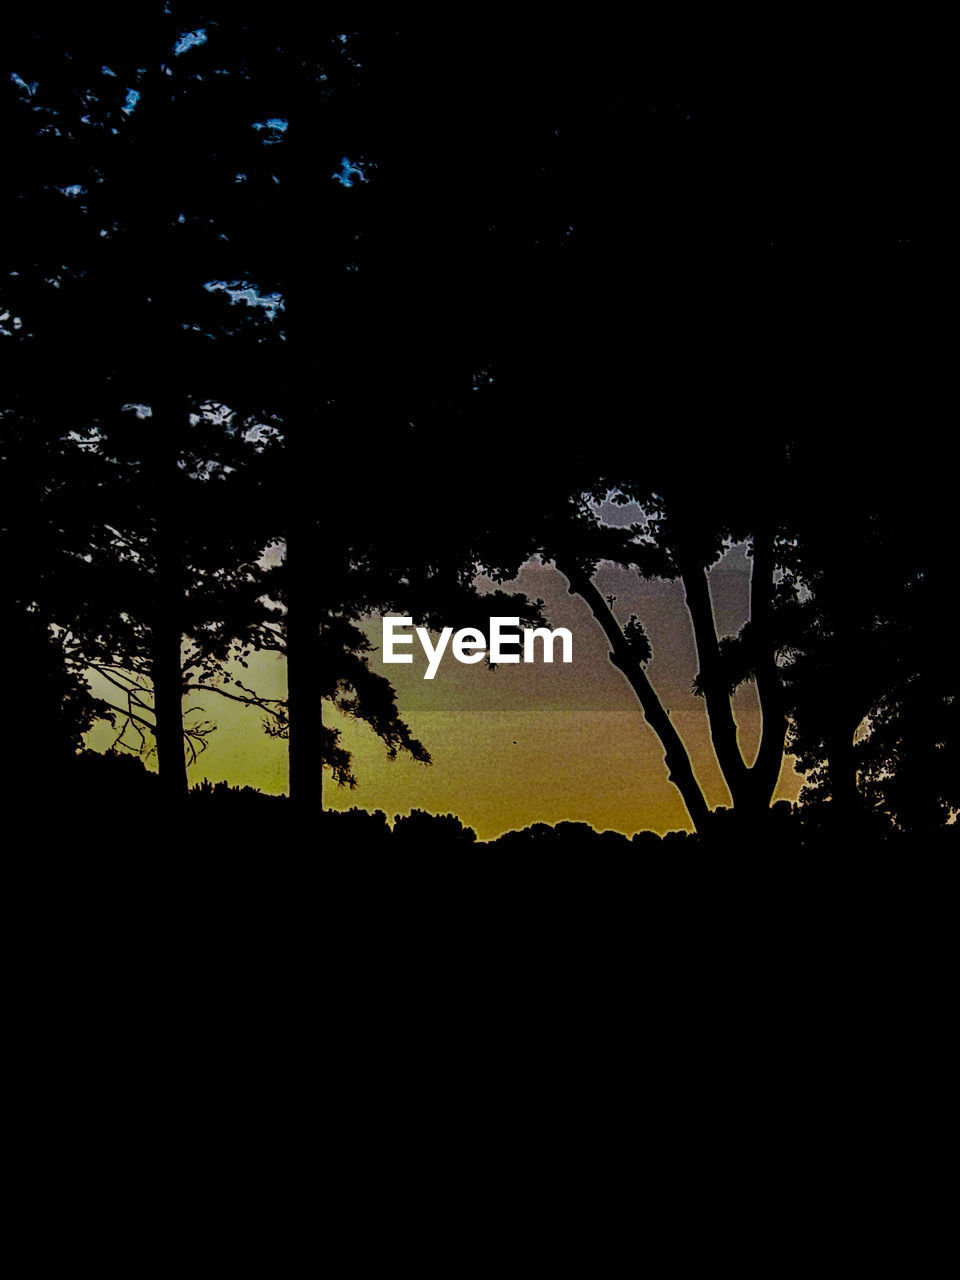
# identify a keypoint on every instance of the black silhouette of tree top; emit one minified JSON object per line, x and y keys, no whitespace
{"x":270,"y":283}
{"x":210,"y":309}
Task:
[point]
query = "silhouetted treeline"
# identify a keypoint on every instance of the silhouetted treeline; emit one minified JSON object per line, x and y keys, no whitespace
{"x":118,"y":788}
{"x":301,"y":326}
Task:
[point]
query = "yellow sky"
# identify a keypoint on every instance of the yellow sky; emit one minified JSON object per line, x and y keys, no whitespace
{"x":525,"y":743}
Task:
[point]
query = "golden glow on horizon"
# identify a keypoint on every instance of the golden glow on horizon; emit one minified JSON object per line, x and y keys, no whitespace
{"x":520,"y":744}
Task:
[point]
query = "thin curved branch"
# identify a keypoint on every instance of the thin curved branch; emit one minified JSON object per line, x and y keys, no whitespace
{"x":621,"y":655}
{"x":723,"y":727}
{"x":766,"y":768}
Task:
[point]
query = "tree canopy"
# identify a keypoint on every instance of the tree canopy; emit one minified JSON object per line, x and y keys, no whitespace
{"x":301,"y":326}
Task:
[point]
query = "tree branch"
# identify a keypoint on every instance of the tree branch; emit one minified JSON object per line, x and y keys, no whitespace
{"x":723,"y":727}
{"x":766,"y":768}
{"x":675,"y":753}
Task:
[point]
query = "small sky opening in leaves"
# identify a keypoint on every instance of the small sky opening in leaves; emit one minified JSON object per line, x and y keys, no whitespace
{"x":189,"y":40}
{"x":243,"y":291}
{"x":348,"y":171}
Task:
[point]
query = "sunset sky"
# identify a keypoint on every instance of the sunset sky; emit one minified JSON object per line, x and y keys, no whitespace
{"x":525,"y":743}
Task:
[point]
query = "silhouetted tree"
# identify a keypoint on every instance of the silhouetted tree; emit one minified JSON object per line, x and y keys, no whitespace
{"x":392,"y":302}
{"x":686,"y":391}
{"x":427,"y":830}
{"x":150,"y":462}
{"x":194,"y":178}
{"x":335,"y":223}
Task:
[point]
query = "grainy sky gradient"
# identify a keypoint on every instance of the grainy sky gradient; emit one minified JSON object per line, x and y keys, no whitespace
{"x":528,"y":742}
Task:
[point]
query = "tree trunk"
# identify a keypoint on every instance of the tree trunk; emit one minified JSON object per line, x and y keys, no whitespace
{"x":765,"y":772}
{"x":168,"y":709}
{"x":751,"y":789}
{"x":303,"y":563}
{"x":675,"y":753}
{"x":312,"y":344}
{"x":165,"y":658}
{"x":304,"y":703}
{"x":716,"y":695}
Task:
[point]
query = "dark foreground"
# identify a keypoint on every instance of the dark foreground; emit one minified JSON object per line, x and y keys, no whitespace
{"x":235,"y":897}
{"x":116,"y":804}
